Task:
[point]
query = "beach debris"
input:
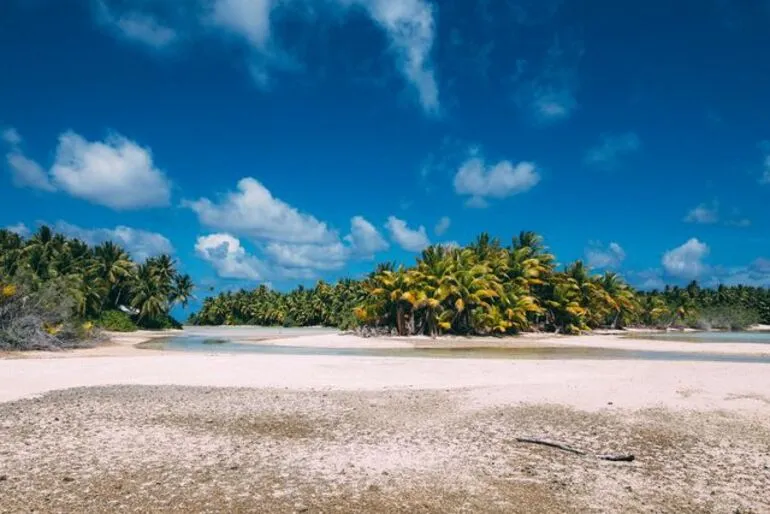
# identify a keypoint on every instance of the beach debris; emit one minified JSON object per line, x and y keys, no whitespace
{"x":620,"y":457}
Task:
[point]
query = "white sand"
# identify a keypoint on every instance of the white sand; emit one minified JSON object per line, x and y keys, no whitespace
{"x":583,"y":384}
{"x":609,"y":341}
{"x":580,"y":383}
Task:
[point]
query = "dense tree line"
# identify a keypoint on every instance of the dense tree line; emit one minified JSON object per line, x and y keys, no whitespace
{"x":488,"y":288}
{"x":322,"y":305}
{"x":95,"y":283}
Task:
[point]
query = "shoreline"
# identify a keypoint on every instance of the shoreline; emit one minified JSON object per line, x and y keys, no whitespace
{"x":144,"y":342}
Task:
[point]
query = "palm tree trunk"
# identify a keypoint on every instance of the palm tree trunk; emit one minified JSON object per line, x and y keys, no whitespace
{"x":400,"y":320}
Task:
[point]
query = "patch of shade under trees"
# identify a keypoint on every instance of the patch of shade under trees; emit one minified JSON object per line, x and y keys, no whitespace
{"x":54,"y":290}
{"x":488,"y":288}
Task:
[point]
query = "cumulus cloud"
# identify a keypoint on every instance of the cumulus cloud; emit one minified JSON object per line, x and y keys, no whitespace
{"x":686,"y":261}
{"x":413,"y":240}
{"x":611,"y":148}
{"x":442,"y":226}
{"x":611,"y":256}
{"x":703,"y":214}
{"x":141,"y":244}
{"x":308,"y":256}
{"x":116,"y":173}
{"x":480,"y":182}
{"x":19,"y":228}
{"x":26,"y":172}
{"x":293,"y":244}
{"x":253,"y":211}
{"x":364,"y":239}
{"x":230,"y":260}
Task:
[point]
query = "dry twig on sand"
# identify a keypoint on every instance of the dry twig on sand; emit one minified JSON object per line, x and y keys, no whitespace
{"x":622,"y":457}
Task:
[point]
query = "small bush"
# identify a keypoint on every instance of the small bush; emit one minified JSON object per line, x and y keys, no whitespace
{"x":40,"y":318}
{"x":116,"y":321}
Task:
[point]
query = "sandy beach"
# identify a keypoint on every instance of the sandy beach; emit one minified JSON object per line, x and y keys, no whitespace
{"x":117,"y":428}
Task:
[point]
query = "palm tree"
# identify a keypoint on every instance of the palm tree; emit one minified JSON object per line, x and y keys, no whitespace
{"x":113,"y":266}
{"x":148,"y":294}
{"x":182,"y":290}
{"x":619,"y":297}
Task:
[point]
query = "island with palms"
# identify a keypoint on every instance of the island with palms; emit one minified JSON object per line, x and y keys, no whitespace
{"x":274,"y":419}
{"x":486,"y":288}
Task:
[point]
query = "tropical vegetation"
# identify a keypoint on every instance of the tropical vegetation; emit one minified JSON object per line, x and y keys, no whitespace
{"x":71,"y":283}
{"x":488,"y":288}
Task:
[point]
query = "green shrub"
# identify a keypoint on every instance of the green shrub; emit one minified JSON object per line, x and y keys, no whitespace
{"x":116,"y":321}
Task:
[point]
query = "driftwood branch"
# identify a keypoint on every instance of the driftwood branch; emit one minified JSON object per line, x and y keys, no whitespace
{"x":564,"y":447}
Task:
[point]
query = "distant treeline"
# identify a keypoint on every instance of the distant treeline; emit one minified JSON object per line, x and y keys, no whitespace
{"x":488,"y":288}
{"x":54,"y":288}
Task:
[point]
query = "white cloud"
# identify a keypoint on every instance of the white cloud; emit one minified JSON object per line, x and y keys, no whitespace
{"x":703,"y":214}
{"x":19,"y":228}
{"x":686,"y":261}
{"x":611,"y":149}
{"x":11,"y":136}
{"x":610,"y":257}
{"x":137,"y":26}
{"x":408,"y":239}
{"x":254,"y":212}
{"x":28,"y":173}
{"x":141,"y":244}
{"x":308,"y":256}
{"x":25,"y":172}
{"x":146,"y":30}
{"x":479,"y":181}
{"x":442,"y":226}
{"x":364,"y":239}
{"x":410,"y":26}
{"x":247,"y":18}
{"x":293,"y":244}
{"x":225,"y":253}
{"x":117,"y":173}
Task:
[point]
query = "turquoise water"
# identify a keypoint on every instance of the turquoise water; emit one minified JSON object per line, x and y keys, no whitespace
{"x":219,"y":345}
{"x":711,"y":337}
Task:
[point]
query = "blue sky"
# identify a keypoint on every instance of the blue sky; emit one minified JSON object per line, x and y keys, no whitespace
{"x":285,"y":141}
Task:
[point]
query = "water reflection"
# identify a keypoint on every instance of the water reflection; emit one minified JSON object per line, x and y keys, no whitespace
{"x":200,"y":344}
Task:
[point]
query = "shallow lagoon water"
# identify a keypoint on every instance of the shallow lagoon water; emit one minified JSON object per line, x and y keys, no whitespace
{"x":709,"y":337}
{"x":202,"y":344}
